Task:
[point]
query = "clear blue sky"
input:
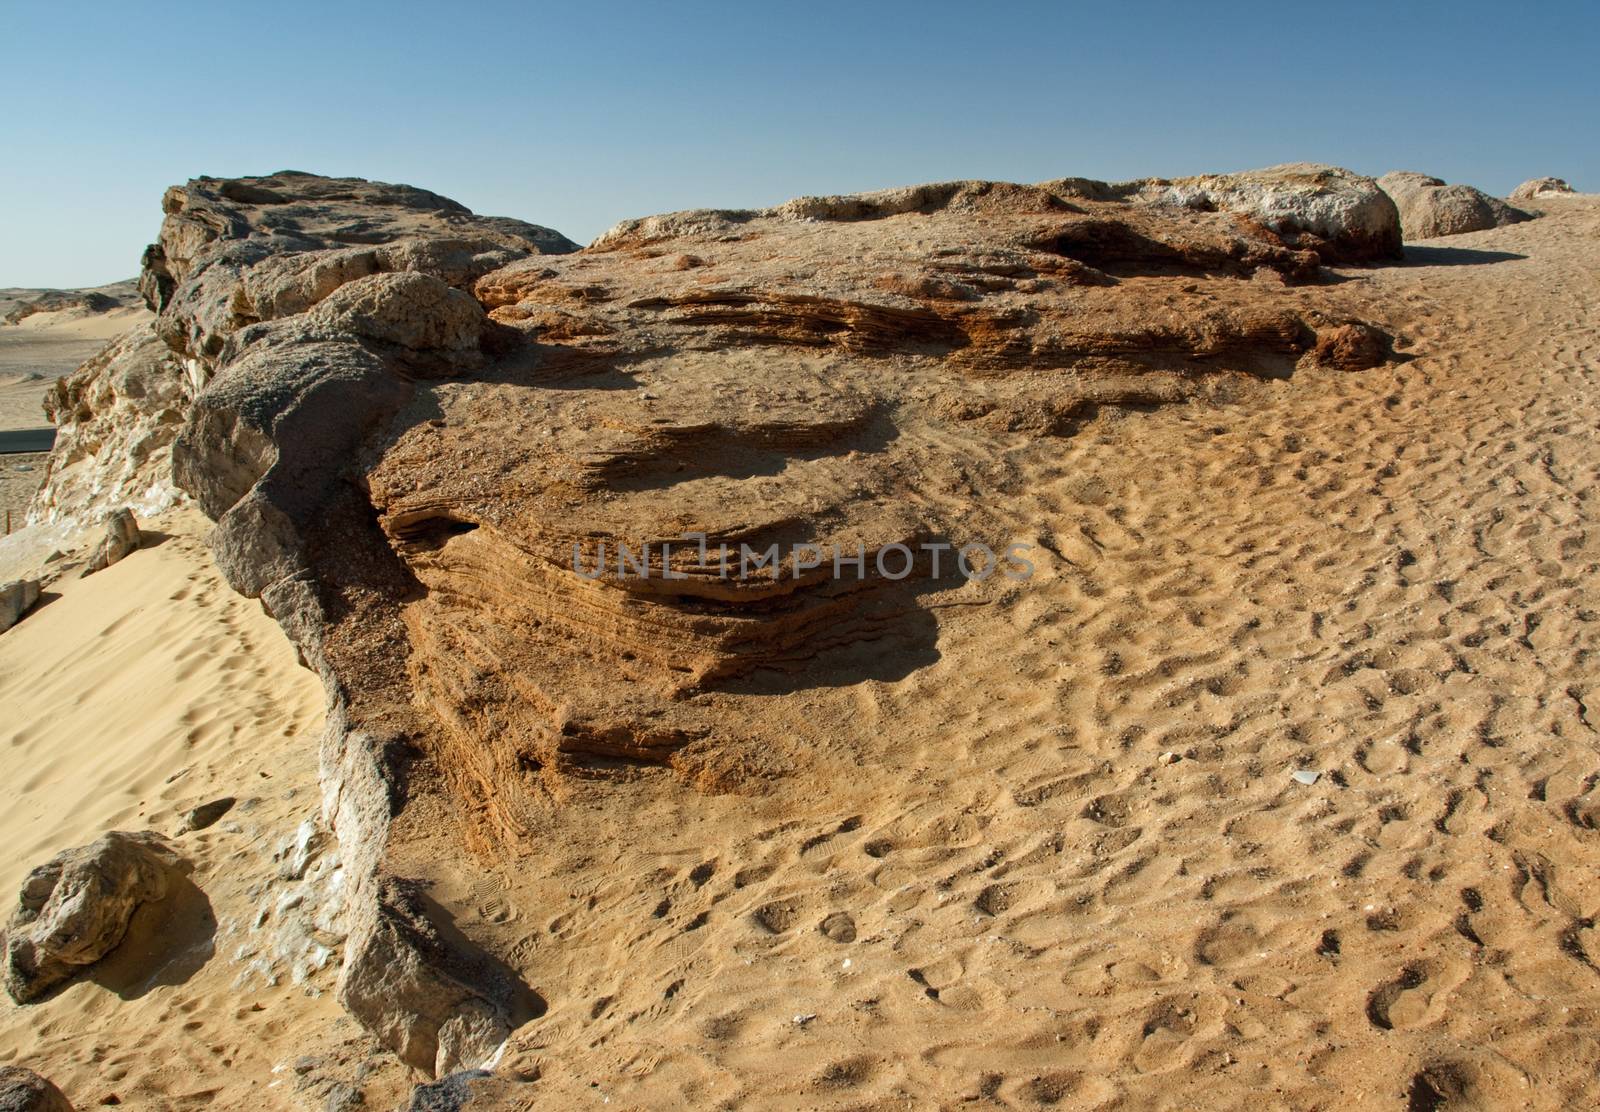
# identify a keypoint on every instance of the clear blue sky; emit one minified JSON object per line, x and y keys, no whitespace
{"x":582,"y":113}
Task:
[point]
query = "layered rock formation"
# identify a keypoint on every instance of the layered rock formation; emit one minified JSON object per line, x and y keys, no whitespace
{"x":504,"y":495}
{"x":1429,"y":208}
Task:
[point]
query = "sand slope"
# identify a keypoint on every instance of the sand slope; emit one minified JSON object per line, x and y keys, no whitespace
{"x":128,"y":698}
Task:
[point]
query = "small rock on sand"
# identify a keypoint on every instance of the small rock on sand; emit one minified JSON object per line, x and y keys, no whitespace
{"x":16,"y":599}
{"x":122,"y":537}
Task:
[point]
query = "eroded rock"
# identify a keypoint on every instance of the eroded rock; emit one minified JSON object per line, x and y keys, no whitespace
{"x":116,"y":418}
{"x":434,"y":1004}
{"x":75,"y":909}
{"x":1352,"y":346}
{"x":1344,"y":217}
{"x":1534,"y":188}
{"x":206,"y":814}
{"x":1429,"y":208}
{"x":415,"y":311}
{"x":408,"y":422}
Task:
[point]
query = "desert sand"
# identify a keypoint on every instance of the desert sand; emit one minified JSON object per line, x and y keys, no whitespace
{"x":130,"y":697}
{"x":1049,"y":851}
{"x":1065,"y":863}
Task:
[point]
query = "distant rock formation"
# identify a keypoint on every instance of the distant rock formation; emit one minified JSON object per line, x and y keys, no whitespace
{"x":1534,"y":188}
{"x":19,"y":305}
{"x":1342,"y":216}
{"x":1429,"y":208}
{"x":419,"y":431}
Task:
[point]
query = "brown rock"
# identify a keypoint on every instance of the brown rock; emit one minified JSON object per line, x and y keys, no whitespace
{"x":1429,"y":208}
{"x":206,"y":815}
{"x":122,"y":537}
{"x":1351,"y":347}
{"x":16,"y":599}
{"x":22,"y":1090}
{"x":403,"y":418}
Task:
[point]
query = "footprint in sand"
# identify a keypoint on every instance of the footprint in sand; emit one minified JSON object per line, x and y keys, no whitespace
{"x":1416,"y":997}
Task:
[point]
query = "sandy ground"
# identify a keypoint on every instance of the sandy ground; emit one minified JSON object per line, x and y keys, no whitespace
{"x":1058,"y":858}
{"x":130,"y":697}
{"x":45,"y":346}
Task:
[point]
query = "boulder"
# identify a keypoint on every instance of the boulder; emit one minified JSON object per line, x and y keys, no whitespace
{"x":410,"y":310}
{"x":22,"y":1090}
{"x":451,"y":1093}
{"x":16,"y":599}
{"x":1534,"y":188}
{"x":75,"y":909}
{"x":1429,"y":208}
{"x":207,"y":814}
{"x":121,"y":537}
{"x":1343,"y":216}
{"x":1352,"y":346}
{"x":408,"y":985}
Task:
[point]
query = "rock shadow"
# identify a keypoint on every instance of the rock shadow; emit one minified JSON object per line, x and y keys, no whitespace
{"x":476,"y":966}
{"x":1455,"y":256}
{"x":168,"y":942}
{"x":890,"y":635}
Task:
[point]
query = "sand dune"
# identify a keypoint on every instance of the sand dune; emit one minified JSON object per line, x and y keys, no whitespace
{"x":130,"y":697}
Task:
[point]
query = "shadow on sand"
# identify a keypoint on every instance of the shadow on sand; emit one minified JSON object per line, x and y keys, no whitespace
{"x":1455,"y":256}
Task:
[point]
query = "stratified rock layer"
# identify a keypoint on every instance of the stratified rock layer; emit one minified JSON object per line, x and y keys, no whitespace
{"x":431,"y":440}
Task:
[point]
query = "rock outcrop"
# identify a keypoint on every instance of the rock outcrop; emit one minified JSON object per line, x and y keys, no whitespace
{"x":16,"y":599}
{"x":1429,"y":208}
{"x":1534,"y":188}
{"x":22,"y":1090}
{"x":116,"y":418}
{"x":75,"y":909}
{"x":1342,"y":216}
{"x":469,"y":469}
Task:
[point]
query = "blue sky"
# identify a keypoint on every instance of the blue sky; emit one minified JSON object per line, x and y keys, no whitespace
{"x":579,"y":114}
